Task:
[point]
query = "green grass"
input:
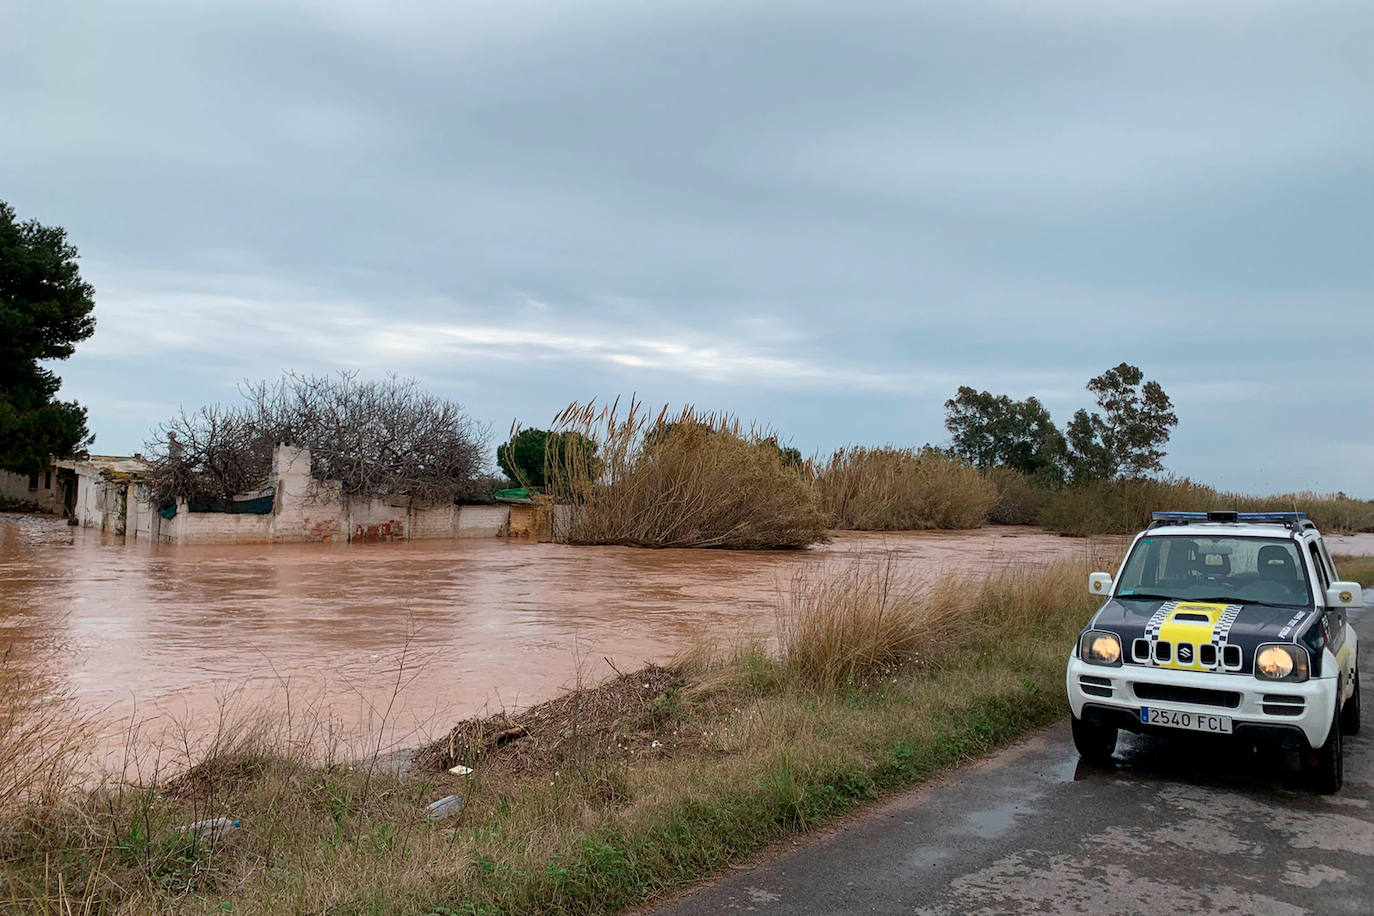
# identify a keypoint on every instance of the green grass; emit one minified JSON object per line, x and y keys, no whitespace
{"x":1355,"y":568}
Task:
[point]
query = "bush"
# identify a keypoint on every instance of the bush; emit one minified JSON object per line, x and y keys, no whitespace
{"x":902,"y":489}
{"x":1019,"y":497}
{"x":525,"y":457}
{"x":692,"y":480}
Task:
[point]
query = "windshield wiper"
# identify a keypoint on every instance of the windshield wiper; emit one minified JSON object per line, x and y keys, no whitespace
{"x":1231,"y":599}
{"x":1148,"y":596}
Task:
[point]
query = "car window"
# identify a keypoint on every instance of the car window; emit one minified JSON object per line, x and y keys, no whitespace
{"x":1322,"y":574}
{"x":1266,"y":570}
{"x":1330,"y":564}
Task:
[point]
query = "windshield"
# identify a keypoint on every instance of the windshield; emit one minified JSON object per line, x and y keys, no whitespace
{"x":1240,"y":569}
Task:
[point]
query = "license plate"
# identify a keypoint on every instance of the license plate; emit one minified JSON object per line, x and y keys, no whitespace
{"x":1194,"y":721}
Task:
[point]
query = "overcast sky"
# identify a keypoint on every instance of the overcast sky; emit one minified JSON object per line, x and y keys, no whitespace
{"x":822,"y":216}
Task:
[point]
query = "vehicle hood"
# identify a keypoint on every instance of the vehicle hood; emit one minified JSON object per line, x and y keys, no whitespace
{"x":1197,"y":622}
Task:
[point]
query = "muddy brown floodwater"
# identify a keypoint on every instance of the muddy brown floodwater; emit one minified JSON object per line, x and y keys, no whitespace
{"x":397,"y":641}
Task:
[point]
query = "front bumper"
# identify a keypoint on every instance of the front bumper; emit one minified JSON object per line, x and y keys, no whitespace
{"x":1259,"y":710}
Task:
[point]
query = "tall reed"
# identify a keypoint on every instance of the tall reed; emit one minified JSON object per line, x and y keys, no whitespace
{"x":896,"y":489}
{"x":1124,"y":506}
{"x":687,"y":479}
{"x":872,"y":619}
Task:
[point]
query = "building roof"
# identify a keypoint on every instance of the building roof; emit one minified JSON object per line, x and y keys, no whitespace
{"x":109,"y":465}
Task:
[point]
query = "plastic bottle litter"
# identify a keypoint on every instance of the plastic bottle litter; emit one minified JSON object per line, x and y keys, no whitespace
{"x":211,"y":830}
{"x":460,"y":770}
{"x":449,"y":804}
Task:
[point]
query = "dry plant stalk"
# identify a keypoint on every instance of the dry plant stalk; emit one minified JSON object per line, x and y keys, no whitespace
{"x":687,"y":479}
{"x":900,"y":489}
{"x":43,"y":740}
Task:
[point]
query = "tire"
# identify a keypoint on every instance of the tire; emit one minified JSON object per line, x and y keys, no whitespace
{"x":1350,"y":714}
{"x":1095,"y":743}
{"x":1325,"y":766}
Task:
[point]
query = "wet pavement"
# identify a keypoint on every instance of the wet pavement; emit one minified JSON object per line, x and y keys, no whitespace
{"x":1179,"y":825}
{"x":398,"y":641}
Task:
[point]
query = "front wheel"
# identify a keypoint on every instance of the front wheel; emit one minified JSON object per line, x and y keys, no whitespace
{"x":1325,"y":766}
{"x":1350,"y":714}
{"x":1095,"y":743}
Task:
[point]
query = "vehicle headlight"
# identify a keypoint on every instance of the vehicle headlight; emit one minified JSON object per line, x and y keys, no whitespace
{"x":1100,"y":647}
{"x":1281,"y":662}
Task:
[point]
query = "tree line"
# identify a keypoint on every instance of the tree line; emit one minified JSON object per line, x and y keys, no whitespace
{"x":1125,"y":437}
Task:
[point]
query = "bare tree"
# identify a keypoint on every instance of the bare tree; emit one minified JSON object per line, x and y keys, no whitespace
{"x":378,"y":438}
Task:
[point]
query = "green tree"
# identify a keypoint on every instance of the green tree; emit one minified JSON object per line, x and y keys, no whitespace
{"x":1127,"y":438}
{"x":45,"y":309}
{"x":525,"y":458}
{"x":994,"y":431}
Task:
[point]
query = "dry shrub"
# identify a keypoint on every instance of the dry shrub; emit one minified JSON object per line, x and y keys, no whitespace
{"x":1333,"y":512}
{"x":1019,"y":498}
{"x":1124,"y":506}
{"x":43,"y":741}
{"x":870,"y":620}
{"x":901,"y":489}
{"x":687,"y":480}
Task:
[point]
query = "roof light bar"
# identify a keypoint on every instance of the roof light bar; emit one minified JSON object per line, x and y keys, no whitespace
{"x":1227,"y":515}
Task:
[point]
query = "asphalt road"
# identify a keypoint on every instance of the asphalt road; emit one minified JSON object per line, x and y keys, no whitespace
{"x":1186,"y":825}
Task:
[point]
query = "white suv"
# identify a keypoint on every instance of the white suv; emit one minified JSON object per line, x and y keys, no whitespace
{"x":1231,"y":623}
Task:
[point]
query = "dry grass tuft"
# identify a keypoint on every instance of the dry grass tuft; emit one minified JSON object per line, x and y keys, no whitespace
{"x":871,"y":621}
{"x":684,"y":480}
{"x":899,"y":489}
{"x":43,"y":741}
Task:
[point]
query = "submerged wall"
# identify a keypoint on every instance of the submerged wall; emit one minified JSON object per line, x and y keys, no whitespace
{"x":303,"y":510}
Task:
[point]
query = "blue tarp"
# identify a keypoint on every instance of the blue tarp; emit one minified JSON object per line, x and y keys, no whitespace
{"x":262,"y":505}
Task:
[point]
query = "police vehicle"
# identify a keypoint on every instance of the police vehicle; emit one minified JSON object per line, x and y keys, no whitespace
{"x":1229,"y":623}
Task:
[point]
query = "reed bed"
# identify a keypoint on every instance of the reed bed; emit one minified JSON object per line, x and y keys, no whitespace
{"x":610,"y":797}
{"x":1124,"y":506}
{"x":688,"y":479}
{"x":901,"y":489}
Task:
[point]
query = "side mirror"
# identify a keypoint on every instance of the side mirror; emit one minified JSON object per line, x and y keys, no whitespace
{"x":1345,"y":594}
{"x":1100,"y":584}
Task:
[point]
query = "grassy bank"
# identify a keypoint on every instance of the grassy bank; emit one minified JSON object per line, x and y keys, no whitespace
{"x":604,"y":798}
{"x":1356,"y":569}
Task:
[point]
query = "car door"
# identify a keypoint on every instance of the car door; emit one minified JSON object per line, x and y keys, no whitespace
{"x":1334,"y":618}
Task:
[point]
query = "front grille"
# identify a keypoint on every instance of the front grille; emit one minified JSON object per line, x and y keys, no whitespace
{"x":1095,"y":686}
{"x":1201,"y":696}
{"x":1282,"y":704}
{"x":1144,"y":652}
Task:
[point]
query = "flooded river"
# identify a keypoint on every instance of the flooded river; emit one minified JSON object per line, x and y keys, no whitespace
{"x":399,"y":640}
